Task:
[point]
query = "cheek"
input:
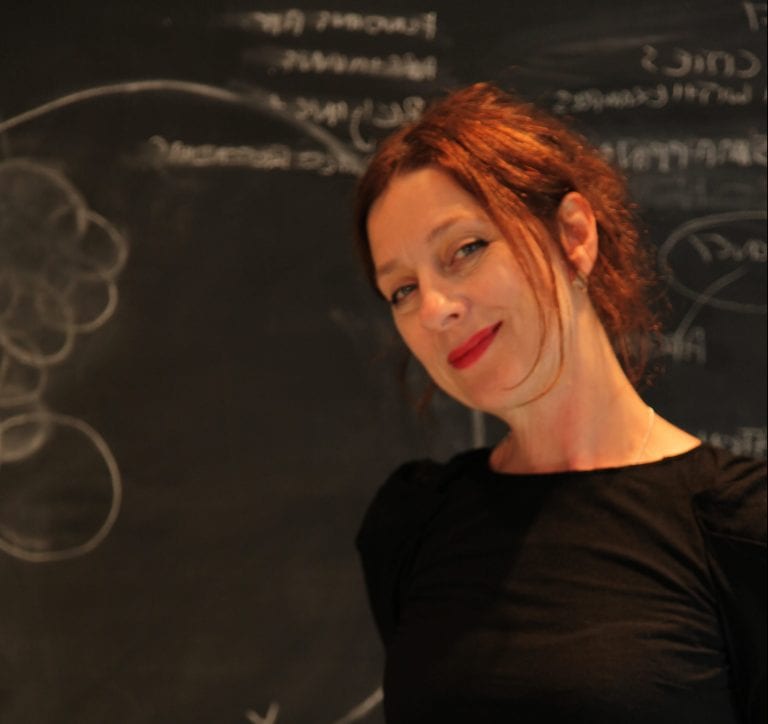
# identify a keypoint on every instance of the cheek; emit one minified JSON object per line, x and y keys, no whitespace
{"x":421,"y":346}
{"x":415,"y":342}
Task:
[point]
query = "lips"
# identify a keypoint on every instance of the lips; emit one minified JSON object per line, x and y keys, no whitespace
{"x":469,"y":352}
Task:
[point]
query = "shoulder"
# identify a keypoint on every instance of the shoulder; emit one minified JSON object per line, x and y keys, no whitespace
{"x":731,"y":514}
{"x":411,"y":494}
{"x":392,"y":527}
{"x":732,"y":501}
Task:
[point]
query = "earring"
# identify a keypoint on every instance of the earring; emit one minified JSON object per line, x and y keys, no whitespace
{"x":579,"y":281}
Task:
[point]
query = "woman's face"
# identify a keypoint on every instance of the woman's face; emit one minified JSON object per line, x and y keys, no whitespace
{"x":459,"y":298}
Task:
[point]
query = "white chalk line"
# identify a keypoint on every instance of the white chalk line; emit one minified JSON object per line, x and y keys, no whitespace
{"x":45,"y":419}
{"x":251,"y":98}
{"x":707,"y":296}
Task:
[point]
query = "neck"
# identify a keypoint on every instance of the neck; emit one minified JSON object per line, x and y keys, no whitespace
{"x":591,"y":418}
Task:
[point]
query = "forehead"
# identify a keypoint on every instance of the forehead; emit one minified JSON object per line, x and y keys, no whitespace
{"x":417,"y":205}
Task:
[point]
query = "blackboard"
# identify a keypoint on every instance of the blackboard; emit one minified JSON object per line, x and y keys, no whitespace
{"x":197,"y":395}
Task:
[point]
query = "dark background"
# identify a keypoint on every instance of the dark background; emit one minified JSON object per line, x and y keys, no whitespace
{"x":197,"y":389}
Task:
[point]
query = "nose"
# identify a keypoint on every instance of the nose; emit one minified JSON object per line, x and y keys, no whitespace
{"x":440,"y":307}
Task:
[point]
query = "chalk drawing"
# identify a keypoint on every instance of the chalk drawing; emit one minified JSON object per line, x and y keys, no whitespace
{"x":59,"y":261}
{"x":251,"y":98}
{"x":269,"y":718}
{"x":363,"y":709}
{"x":30,"y":528}
{"x":357,"y":713}
{"x":717,"y":253}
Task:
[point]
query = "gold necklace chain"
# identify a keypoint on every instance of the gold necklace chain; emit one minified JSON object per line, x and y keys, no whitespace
{"x":651,"y":420}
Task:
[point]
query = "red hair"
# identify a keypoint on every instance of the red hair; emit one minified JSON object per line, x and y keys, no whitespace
{"x":518,"y":163}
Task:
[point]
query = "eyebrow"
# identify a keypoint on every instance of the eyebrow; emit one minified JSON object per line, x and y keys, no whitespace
{"x":389,"y":266}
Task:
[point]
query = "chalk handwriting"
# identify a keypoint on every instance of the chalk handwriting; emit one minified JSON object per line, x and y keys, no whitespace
{"x":252,"y":98}
{"x":713,"y":246}
{"x":730,"y":261}
{"x":691,"y":191}
{"x":756,"y":15}
{"x":423,"y":25}
{"x":406,"y":66}
{"x":160,"y":152}
{"x":684,"y":345}
{"x":276,"y":23}
{"x":701,"y":93}
{"x":678,"y":62}
{"x":680,"y":154}
{"x":294,"y":23}
{"x":354,"y":117}
{"x":749,"y":441}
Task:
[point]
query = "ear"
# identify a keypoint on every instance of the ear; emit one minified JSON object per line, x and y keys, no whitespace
{"x":578,"y":233}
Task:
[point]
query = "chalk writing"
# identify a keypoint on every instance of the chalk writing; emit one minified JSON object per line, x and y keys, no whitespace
{"x":253,"y":99}
{"x":710,"y":238}
{"x":671,"y":155}
{"x":160,"y":152}
{"x":681,"y":63}
{"x":656,"y":97}
{"x":354,"y":117}
{"x":276,"y":23}
{"x":713,"y":246}
{"x":405,"y":66}
{"x":749,"y":441}
{"x":422,"y":25}
{"x":684,"y":345}
{"x":756,"y":15}
{"x":294,"y":22}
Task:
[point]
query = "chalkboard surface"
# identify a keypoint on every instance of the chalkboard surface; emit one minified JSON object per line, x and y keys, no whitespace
{"x":197,"y":396}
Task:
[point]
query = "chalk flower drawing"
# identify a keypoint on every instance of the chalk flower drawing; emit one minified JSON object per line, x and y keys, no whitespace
{"x":60,"y":487}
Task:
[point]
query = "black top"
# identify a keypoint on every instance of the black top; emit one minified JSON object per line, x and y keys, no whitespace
{"x":632,"y":594}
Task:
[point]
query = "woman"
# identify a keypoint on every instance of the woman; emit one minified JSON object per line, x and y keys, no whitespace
{"x":599,"y":564}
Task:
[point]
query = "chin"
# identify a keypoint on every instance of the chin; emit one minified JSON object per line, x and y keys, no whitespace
{"x":504,"y":392}
{"x":487,"y":400}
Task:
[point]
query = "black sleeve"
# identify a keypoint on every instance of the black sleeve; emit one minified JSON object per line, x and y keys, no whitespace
{"x":389,"y":536}
{"x":732,"y":518}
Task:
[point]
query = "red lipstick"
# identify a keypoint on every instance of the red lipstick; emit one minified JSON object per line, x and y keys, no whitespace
{"x":469,"y":352}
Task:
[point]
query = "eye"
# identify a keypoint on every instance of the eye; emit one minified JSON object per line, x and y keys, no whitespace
{"x":401,"y":293}
{"x":470,"y":248}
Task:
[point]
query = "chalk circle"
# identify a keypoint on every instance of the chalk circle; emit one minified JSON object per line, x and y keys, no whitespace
{"x":101,"y":253}
{"x":9,"y":292}
{"x":101,"y":250}
{"x":38,"y":330}
{"x":63,"y":501}
{"x":23,"y":440}
{"x":40,"y":211}
{"x":90,"y":300}
{"x":20,"y":384}
{"x":724,"y":273}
